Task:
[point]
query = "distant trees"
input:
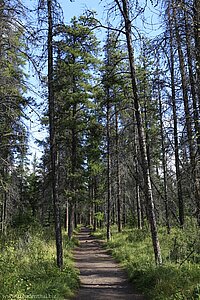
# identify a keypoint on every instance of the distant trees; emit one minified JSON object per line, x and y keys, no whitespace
{"x":13,"y":136}
{"x":124,"y":135}
{"x":180,"y":35}
{"x":77,"y":50}
{"x":113,"y":101}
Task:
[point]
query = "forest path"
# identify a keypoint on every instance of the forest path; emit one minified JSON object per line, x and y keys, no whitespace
{"x":101,"y":277}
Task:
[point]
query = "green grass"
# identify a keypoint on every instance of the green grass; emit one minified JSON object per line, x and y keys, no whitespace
{"x":28,"y":267}
{"x":178,"y":277}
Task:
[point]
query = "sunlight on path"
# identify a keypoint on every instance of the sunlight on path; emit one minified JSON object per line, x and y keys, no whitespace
{"x":101,"y":277}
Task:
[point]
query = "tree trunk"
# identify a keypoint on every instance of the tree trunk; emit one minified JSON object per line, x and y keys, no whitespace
{"x":164,"y":166}
{"x":137,"y":187}
{"x":173,"y":99}
{"x":118,"y":172}
{"x":124,"y":205}
{"x":53,"y":151}
{"x":138,"y":203}
{"x":73,"y":184}
{"x":66,"y":216}
{"x":108,"y":167}
{"x":184,"y":89}
{"x":196,"y":13}
{"x":141,"y":136}
{"x":71,"y":220}
{"x":196,"y":174}
{"x":192,"y":82}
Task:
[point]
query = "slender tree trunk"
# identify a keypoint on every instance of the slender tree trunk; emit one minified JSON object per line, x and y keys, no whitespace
{"x":184,"y":89}
{"x":95,"y":219}
{"x":90,"y":212}
{"x":124,"y":207}
{"x":137,"y":187}
{"x":196,"y":9}
{"x":173,"y":99}
{"x":71,"y":219}
{"x":73,"y":164}
{"x":4,"y":202}
{"x":118,"y":172}
{"x":192,"y":82}
{"x":57,"y":221}
{"x":196,"y":14}
{"x":196,"y":173}
{"x":138,"y":203}
{"x":66,"y":216}
{"x":108,"y":167}
{"x":4,"y":212}
{"x":164,"y":164}
{"x":141,"y":136}
{"x":73,"y":185}
{"x":75,"y":215}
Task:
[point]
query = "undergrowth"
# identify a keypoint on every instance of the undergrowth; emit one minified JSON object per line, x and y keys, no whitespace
{"x":178,"y":278}
{"x":28,"y":266}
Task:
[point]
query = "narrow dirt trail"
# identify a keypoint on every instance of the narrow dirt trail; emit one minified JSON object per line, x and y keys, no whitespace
{"x":101,"y":277}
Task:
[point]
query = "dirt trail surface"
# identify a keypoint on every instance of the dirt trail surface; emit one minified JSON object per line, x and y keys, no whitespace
{"x":101,"y":277}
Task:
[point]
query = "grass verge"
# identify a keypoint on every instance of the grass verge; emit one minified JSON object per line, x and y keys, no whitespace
{"x":179,"y":276}
{"x":28,"y":266}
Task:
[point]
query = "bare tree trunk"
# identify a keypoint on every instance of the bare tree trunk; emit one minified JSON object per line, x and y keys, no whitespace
{"x":141,"y":135}
{"x":173,"y":98}
{"x":196,"y":13}
{"x":66,"y":216}
{"x":95,"y":220}
{"x":184,"y":89}
{"x":197,"y":47}
{"x":71,"y":220}
{"x":90,"y":212}
{"x":53,"y":151}
{"x":124,"y":203}
{"x":118,"y":172}
{"x":139,"y":210}
{"x":108,"y":167}
{"x":196,"y":173}
{"x":4,"y":213}
{"x":73,"y":185}
{"x":164,"y":167}
{"x":192,"y":81}
{"x":137,"y":187}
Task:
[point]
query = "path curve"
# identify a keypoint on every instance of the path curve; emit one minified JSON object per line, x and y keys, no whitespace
{"x":100,"y":276}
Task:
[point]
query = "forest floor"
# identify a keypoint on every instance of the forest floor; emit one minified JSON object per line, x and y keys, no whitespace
{"x":101,"y":277}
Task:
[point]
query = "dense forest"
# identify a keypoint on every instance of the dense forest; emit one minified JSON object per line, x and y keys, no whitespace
{"x":119,"y":100}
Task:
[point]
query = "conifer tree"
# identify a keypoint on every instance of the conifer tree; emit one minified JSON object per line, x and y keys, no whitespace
{"x":76,"y":57}
{"x":13,"y":137}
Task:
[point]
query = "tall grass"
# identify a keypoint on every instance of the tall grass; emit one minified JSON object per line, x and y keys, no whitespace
{"x":179,"y":276}
{"x":28,"y":266}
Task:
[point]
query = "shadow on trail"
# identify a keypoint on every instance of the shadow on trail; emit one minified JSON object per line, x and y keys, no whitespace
{"x":100,"y":276}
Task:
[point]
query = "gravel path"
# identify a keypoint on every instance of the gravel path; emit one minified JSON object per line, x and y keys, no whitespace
{"x":101,"y":277}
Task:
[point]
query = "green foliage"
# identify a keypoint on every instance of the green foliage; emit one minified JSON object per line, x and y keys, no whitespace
{"x":28,"y":267}
{"x":23,"y":220}
{"x":99,"y":216}
{"x":179,"y":276}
